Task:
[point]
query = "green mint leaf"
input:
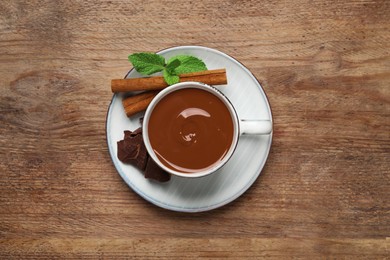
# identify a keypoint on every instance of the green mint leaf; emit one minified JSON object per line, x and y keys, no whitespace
{"x":188,"y":64}
{"x":172,"y":65}
{"x":170,"y":79}
{"x":147,"y":63}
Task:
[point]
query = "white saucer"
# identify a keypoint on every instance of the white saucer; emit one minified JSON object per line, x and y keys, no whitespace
{"x":232,"y":180}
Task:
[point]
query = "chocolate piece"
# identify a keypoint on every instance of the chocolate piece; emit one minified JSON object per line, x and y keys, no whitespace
{"x":138,"y":131}
{"x":127,"y":134}
{"x":132,"y":149}
{"x":153,"y":171}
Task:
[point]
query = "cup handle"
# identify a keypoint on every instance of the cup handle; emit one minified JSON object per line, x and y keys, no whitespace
{"x":255,"y":127}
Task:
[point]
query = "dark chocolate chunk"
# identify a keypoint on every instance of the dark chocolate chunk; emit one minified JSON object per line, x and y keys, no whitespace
{"x":137,"y":131}
{"x":153,"y":171}
{"x":127,"y":134}
{"x":132,"y":150}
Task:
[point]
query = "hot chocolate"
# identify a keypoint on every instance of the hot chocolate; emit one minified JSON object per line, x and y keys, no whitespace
{"x":190,"y":130}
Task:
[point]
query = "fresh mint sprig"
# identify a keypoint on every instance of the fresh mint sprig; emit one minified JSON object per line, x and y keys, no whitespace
{"x":148,"y":63}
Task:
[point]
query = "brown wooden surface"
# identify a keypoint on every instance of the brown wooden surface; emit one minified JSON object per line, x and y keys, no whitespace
{"x":324,"y":191}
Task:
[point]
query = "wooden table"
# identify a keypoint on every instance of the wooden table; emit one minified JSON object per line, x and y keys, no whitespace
{"x":324,"y":191}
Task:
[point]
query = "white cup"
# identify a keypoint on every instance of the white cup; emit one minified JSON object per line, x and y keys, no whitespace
{"x":241,"y":127}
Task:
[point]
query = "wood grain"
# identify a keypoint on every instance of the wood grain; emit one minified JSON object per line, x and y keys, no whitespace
{"x":324,"y":192}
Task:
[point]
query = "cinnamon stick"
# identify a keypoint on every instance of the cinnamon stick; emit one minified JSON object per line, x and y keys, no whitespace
{"x":137,"y":103}
{"x":138,"y":97}
{"x":211,"y":77}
